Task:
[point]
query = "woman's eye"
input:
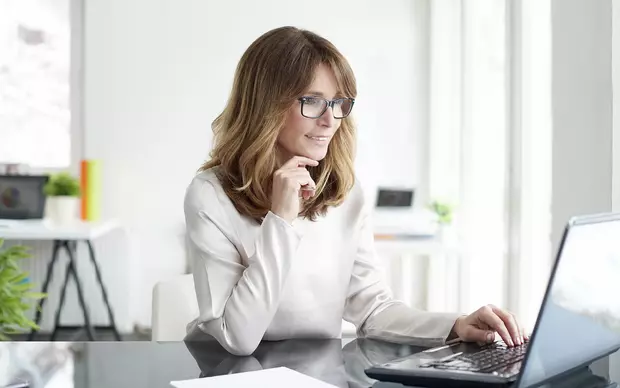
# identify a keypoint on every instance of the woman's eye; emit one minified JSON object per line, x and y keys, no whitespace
{"x":312,"y":101}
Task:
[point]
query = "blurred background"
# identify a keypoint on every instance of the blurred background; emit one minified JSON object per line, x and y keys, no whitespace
{"x":498,"y":112}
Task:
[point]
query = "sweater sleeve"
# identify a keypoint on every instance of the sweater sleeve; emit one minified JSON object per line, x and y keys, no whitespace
{"x":371,"y":307}
{"x":237,"y":299}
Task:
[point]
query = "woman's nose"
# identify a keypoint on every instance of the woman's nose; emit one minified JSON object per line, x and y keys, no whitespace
{"x":327,"y":119}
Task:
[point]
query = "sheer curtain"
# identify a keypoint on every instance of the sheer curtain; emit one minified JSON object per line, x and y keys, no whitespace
{"x":489,"y":148}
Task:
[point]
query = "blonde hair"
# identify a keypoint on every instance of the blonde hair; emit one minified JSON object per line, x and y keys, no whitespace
{"x":274,"y":71}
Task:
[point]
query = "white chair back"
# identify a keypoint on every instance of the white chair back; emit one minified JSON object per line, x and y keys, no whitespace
{"x":174,"y":307}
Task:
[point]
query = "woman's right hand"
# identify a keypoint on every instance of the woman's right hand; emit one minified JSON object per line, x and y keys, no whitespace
{"x":290,"y":182}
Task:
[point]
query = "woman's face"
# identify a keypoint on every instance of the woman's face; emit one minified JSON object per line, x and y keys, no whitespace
{"x":302,"y":136}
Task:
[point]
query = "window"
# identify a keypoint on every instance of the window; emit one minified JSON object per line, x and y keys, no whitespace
{"x":468,"y":140}
{"x":490,"y":147}
{"x":530,"y":252}
{"x":35,"y":83}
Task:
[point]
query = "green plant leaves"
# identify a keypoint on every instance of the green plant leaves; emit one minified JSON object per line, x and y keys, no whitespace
{"x":443,"y":210}
{"x":15,"y":295}
{"x":62,"y":184}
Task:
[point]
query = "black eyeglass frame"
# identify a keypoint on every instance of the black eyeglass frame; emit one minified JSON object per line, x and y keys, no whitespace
{"x":329,"y":103}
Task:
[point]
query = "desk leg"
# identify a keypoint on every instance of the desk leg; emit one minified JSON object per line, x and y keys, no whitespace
{"x":103,"y":290}
{"x":78,"y":285}
{"x":48,"y":278}
{"x":61,"y":303}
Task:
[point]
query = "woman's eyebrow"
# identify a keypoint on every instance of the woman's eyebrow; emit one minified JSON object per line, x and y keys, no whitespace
{"x":321,"y":94}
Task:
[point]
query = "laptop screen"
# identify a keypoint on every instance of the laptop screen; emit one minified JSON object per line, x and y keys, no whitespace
{"x":22,"y":197}
{"x":580,"y":317}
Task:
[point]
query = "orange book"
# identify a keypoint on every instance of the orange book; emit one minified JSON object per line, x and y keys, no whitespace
{"x":90,"y":185}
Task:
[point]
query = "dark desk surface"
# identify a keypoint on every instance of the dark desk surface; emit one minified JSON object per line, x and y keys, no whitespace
{"x":150,"y":364}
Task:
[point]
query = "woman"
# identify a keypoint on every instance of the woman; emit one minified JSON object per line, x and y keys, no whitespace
{"x":279,"y":234}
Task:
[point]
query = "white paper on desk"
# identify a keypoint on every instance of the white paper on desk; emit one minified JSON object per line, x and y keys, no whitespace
{"x":273,"y":378}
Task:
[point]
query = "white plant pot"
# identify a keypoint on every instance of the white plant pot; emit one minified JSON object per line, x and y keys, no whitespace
{"x":62,"y":210}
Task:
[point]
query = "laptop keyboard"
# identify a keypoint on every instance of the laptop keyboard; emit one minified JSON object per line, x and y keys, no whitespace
{"x":489,"y":359}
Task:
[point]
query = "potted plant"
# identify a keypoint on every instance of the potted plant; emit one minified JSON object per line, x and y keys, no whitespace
{"x":445,"y":217}
{"x":63,"y":197}
{"x":444,"y":212}
{"x":15,"y":292}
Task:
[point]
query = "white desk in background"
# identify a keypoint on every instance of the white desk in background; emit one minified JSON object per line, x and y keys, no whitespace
{"x":65,"y":237}
{"x":411,"y":247}
{"x":406,"y":249}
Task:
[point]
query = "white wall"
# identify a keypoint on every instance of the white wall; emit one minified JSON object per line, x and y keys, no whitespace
{"x":157,"y":73}
{"x":582,"y":109}
{"x":582,"y":114}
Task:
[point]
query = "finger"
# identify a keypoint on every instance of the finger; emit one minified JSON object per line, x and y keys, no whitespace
{"x":299,"y":161}
{"x":519,"y":329}
{"x":306,"y":193}
{"x":306,"y":181}
{"x":306,"y":184}
{"x":488,"y":316}
{"x":301,"y":177}
{"x":479,"y":335}
{"x":483,"y":334}
{"x":511,"y":324}
{"x":489,"y":334}
{"x":295,"y":172}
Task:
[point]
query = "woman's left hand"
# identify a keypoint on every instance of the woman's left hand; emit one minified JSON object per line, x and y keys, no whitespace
{"x":482,"y":325}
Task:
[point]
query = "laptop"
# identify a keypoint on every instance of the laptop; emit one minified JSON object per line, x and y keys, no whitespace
{"x":578,"y":322}
{"x":22,"y":197}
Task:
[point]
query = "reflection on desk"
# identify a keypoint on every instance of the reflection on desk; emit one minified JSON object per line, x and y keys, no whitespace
{"x":151,"y":364}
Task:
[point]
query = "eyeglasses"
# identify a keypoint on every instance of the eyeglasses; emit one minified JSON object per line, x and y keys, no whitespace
{"x":314,"y":107}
